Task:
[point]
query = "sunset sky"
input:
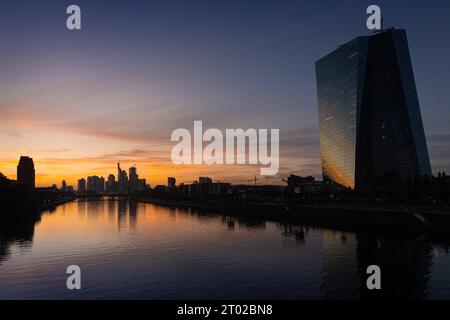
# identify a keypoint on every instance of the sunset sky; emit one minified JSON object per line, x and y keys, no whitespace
{"x":78,"y":102}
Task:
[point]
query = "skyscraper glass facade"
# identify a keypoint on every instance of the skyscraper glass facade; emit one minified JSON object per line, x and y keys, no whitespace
{"x":340,"y":78}
{"x":371,"y":131}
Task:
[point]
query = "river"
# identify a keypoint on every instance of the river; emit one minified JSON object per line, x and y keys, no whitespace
{"x":137,"y":250}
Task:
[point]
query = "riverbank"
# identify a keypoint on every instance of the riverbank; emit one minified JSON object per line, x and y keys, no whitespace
{"x":414,"y":218}
{"x":32,"y":211}
{"x":53,"y":204}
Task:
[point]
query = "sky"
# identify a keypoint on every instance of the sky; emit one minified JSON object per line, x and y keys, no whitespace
{"x":80,"y":101}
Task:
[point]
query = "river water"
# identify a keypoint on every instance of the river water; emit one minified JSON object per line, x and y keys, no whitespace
{"x":136,"y":250}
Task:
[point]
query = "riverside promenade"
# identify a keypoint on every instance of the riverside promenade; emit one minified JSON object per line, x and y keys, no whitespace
{"x":413,"y":217}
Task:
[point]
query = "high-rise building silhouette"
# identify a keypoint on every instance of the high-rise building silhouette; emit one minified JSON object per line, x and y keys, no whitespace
{"x":371,"y":131}
{"x":133,"y":178}
{"x":171,"y":182}
{"x":64,"y":185}
{"x":25,"y":171}
{"x":95,"y":184}
{"x":82,"y":185}
{"x":111,"y":184}
{"x":101,"y":185}
{"x":204,"y":180}
{"x":134,"y":183}
{"x":123,"y":180}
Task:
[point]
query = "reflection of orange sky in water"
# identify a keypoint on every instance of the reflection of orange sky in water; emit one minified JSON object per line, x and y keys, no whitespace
{"x":99,"y":220}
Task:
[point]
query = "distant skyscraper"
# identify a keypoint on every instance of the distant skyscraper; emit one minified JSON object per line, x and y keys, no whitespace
{"x":64,"y":185}
{"x":133,"y":178}
{"x":142,"y":184}
{"x":101,"y":185}
{"x":205,"y":180}
{"x":25,"y":171}
{"x":119,"y":178}
{"x":95,"y":184}
{"x":90,"y":183}
{"x":81,"y":185}
{"x":111,"y":184}
{"x":371,"y":131}
{"x":171,"y":182}
{"x":123,"y":180}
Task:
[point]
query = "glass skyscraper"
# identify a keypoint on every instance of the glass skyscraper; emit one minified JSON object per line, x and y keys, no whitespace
{"x":371,"y":131}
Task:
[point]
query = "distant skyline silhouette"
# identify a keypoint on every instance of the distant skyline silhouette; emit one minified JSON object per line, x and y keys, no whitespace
{"x":77,"y":102}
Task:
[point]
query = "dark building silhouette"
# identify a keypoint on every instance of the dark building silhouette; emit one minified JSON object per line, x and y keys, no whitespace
{"x":134,"y":183}
{"x":171,"y":182}
{"x":371,"y":131}
{"x":95,"y":184}
{"x":81,"y":185}
{"x":111,"y":185}
{"x":122,"y":180}
{"x":204,"y":180}
{"x":25,"y":171}
{"x":133,"y":178}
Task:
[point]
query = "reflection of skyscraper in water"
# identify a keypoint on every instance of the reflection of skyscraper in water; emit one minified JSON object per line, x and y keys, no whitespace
{"x":121,"y":212}
{"x":132,"y":207}
{"x":405,"y":264}
{"x":95,"y":209}
{"x":339,"y":266}
{"x":81,"y":207}
{"x":291,"y":232}
{"x":404,"y":261}
{"x":111,"y":210}
{"x":14,"y":233}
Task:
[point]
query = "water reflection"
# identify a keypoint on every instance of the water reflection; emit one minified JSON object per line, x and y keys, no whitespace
{"x":18,"y":233}
{"x":298,"y":232}
{"x":122,"y":213}
{"x":406,"y":263}
{"x":242,"y":254}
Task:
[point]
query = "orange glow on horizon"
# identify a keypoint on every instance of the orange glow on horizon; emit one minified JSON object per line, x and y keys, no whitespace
{"x":53,"y":172}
